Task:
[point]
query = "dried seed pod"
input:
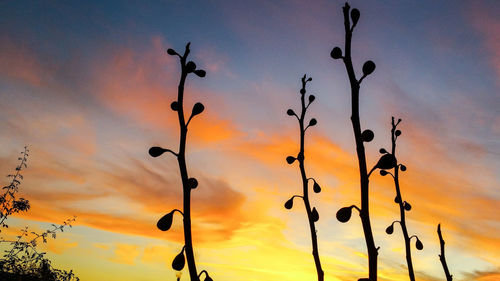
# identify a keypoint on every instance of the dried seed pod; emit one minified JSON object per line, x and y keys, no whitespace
{"x":179,"y":261}
{"x":383,"y":172}
{"x":290,"y":159}
{"x":302,"y":91}
{"x":367,"y":135}
{"x":316,"y":187}
{"x":355,"y":15}
{"x":407,"y":206}
{"x":192,"y":183}
{"x":313,"y":122}
{"x":171,"y":52}
{"x":390,"y":229}
{"x":156,"y":151}
{"x":368,"y":67}
{"x":383,"y":151}
{"x":197,"y":108}
{"x":397,"y":133}
{"x":289,"y":203}
{"x":402,"y":167}
{"x":314,"y":215}
{"x":165,"y":222}
{"x":174,"y":105}
{"x":311,"y":98}
{"x":200,"y":73}
{"x":290,"y":112}
{"x":190,"y":66}
{"x":387,"y":161}
{"x":344,"y":214}
{"x":419,"y":244}
{"x":336,"y":53}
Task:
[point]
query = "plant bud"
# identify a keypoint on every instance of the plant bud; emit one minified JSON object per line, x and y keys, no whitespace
{"x":165,"y":222}
{"x":192,"y":183}
{"x":397,"y":133}
{"x":314,"y":215}
{"x":419,"y":244}
{"x":174,"y":105}
{"x":397,"y":199}
{"x":311,"y":98}
{"x":336,"y":53}
{"x":197,"y":108}
{"x":390,"y":229}
{"x":200,"y":73}
{"x":402,"y":167}
{"x":344,"y":214}
{"x":367,"y":135}
{"x":171,"y":52}
{"x":289,"y":204}
{"x":387,"y":161}
{"x":156,"y":151}
{"x":313,"y":122}
{"x":179,"y":261}
{"x":290,"y":159}
{"x":290,"y":112}
{"x":355,"y":15}
{"x":368,"y":67}
{"x":190,"y":66}
{"x":302,"y":91}
{"x":382,"y":151}
{"x":407,"y":206}
{"x":383,"y":173}
{"x":316,"y":187}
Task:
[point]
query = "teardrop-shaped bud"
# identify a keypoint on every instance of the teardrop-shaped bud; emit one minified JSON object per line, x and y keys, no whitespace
{"x":197,"y":108}
{"x":397,"y":199}
{"x":311,"y":98}
{"x":165,"y":222}
{"x":390,"y":229}
{"x":355,"y":15}
{"x":407,"y":206}
{"x":383,"y":173}
{"x":344,"y":214}
{"x":289,"y":204}
{"x":368,"y":67}
{"x":419,"y":244}
{"x":314,"y":215}
{"x":192,"y":183}
{"x":397,"y":133}
{"x":290,"y":112}
{"x":156,"y":151}
{"x":200,"y":73}
{"x":387,"y":161}
{"x":313,"y":122}
{"x":190,"y":66}
{"x":179,"y":261}
{"x":302,"y":91}
{"x":174,"y":105}
{"x":367,"y":135}
{"x":290,"y":159}
{"x":382,"y":151}
{"x":316,"y":187}
{"x":402,"y":167}
{"x":309,"y":79}
{"x":336,"y":53}
{"x":171,"y":52}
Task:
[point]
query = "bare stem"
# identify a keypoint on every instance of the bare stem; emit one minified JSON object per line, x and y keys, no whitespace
{"x":442,"y":257}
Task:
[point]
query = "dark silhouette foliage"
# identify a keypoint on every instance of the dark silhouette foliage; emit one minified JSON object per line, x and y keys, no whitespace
{"x":22,"y":261}
{"x":312,"y":214}
{"x":351,"y":18}
{"x":404,"y":206}
{"x":164,"y":224}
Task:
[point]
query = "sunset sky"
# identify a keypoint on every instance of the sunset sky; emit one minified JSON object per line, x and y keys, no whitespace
{"x":87,"y":85}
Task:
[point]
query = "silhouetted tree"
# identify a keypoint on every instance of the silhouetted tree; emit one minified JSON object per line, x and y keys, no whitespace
{"x":404,"y":206}
{"x":188,"y":183}
{"x":22,"y":261}
{"x":312,"y":214}
{"x":442,"y":257}
{"x":360,"y":136}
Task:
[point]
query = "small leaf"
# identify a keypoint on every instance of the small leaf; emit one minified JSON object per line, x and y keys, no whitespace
{"x":367,"y":135}
{"x":156,"y":151}
{"x":402,"y":167}
{"x":171,"y":52}
{"x":200,"y":73}
{"x":290,"y":112}
{"x":387,"y":161}
{"x":390,"y":229}
{"x":407,"y":206}
{"x":316,"y":187}
{"x":355,"y":15}
{"x":419,"y":244}
{"x":190,"y":66}
{"x":311,"y":98}
{"x":174,"y":105}
{"x":289,"y":203}
{"x":314,"y":215}
{"x":336,"y":53}
{"x":383,"y":172}
{"x":165,"y":222}
{"x":313,"y":122}
{"x":197,"y":108}
{"x":192,"y":183}
{"x":344,"y":214}
{"x":397,"y":133}
{"x":368,"y":67}
{"x":179,"y":261}
{"x":290,"y":159}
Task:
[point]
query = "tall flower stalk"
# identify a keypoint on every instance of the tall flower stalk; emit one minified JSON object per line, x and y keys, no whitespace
{"x":187,"y":67}
{"x":312,"y":213}
{"x":360,"y":136}
{"x":442,"y":257}
{"x":404,"y":206}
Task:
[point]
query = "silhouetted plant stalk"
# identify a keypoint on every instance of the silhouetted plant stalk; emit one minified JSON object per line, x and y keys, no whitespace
{"x":360,"y":137}
{"x":188,"y":183}
{"x":442,"y":257}
{"x":403,"y":205}
{"x":312,"y":214}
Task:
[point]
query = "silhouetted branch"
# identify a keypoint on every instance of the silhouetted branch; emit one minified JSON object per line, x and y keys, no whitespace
{"x":442,"y":257}
{"x":312,"y":214}
{"x":188,"y":183}
{"x":360,"y":136}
